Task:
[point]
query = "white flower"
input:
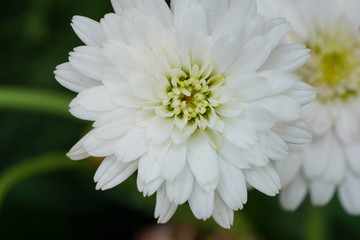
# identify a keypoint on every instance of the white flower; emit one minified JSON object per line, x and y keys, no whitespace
{"x":197,"y":98}
{"x":331,"y":163}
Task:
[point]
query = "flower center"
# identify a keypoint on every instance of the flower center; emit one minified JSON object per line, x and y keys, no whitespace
{"x":334,"y":66}
{"x":191,"y":95}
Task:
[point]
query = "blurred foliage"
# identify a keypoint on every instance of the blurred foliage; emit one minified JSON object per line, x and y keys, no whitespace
{"x":44,"y":195}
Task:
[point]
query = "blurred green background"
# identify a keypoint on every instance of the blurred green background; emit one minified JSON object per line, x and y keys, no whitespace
{"x":44,"y":195}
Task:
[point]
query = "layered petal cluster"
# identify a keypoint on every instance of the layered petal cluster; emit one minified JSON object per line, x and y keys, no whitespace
{"x":197,"y":98}
{"x":331,"y":163}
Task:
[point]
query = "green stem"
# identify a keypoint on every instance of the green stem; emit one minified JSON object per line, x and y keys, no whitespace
{"x":30,"y":167}
{"x":315,"y":226}
{"x":44,"y":101}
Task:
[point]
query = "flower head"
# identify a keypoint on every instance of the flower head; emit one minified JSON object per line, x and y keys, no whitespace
{"x":197,"y":98}
{"x":331,"y":162}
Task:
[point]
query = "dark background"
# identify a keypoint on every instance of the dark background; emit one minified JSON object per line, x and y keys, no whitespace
{"x":35,"y":36}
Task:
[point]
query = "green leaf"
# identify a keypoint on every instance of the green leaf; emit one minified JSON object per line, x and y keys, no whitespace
{"x":33,"y":166}
{"x":44,"y":101}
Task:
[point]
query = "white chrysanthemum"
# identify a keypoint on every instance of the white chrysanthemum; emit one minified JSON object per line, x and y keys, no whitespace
{"x":197,"y":98}
{"x":332,"y":161}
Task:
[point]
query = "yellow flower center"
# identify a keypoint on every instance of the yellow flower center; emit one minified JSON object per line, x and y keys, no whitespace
{"x":334,"y":65}
{"x":191,"y":95}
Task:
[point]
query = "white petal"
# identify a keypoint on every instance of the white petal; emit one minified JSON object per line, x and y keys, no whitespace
{"x":250,"y":87}
{"x":336,"y":166}
{"x":88,"y":61}
{"x":264,"y":179}
{"x":316,"y":155}
{"x":239,"y":133}
{"x":180,"y":123}
{"x":111,"y":25}
{"x":296,"y":132}
{"x":302,"y":92}
{"x":289,"y":168}
{"x":190,"y":21}
{"x":114,"y":129}
{"x":252,"y":28}
{"x":160,"y":129}
{"x":125,"y":98}
{"x":228,"y":22}
{"x":68,"y":77}
{"x":143,"y":87}
{"x":173,"y":161}
{"x":132,"y":146}
{"x":114,"y":116}
{"x":170,"y":54}
{"x":99,"y":148}
{"x":232,"y":185}
{"x":121,"y":6}
{"x":257,"y":156}
{"x":203,"y":162}
{"x":288,"y":57}
{"x":237,"y":156}
{"x":284,"y":109}
{"x":164,"y":209}
{"x":88,"y":30}
{"x":257,"y":118}
{"x":347,"y":126}
{"x":181,"y":135}
{"x":292,"y":195}
{"x":149,"y":168}
{"x":163,"y":112}
{"x":247,"y":88}
{"x":132,"y":25}
{"x":104,"y":166}
{"x":156,"y":8}
{"x":96,"y":99}
{"x":143,"y":118}
{"x":126,"y":172}
{"x":277,"y":81}
{"x":213,"y":121}
{"x":201,"y":202}
{"x":147,"y":62}
{"x":199,"y":49}
{"x":353,"y":156}
{"x":214,"y":10}
{"x":224,"y":51}
{"x":253,"y":55}
{"x":277,"y":30}
{"x":215,"y":139}
{"x":155,"y":33}
{"x":78,"y":152}
{"x":222,"y":214}
{"x":317,"y":116}
{"x":273,"y":146}
{"x":179,"y":189}
{"x":115,"y":174}
{"x":230,"y":109}
{"x":321,"y":192}
{"x":82,"y":113}
{"x":349,"y":194}
{"x":222,"y":20}
{"x":118,"y":53}
{"x":149,"y":188}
